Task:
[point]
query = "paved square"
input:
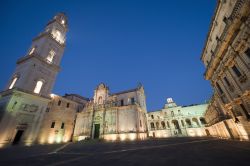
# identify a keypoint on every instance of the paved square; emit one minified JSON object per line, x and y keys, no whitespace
{"x":172,"y":151}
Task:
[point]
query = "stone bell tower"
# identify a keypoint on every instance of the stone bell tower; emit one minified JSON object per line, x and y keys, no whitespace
{"x":36,"y":72}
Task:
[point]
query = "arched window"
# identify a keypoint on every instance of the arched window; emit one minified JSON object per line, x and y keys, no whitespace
{"x":172,"y":113}
{"x":176,"y":124}
{"x":195,"y":121}
{"x":188,"y":122}
{"x":152,"y":125}
{"x":202,"y":120}
{"x":38,"y":86}
{"x":100,"y":100}
{"x":157,"y":125}
{"x":152,"y":116}
{"x":163,"y":124}
{"x":13,"y":82}
{"x":50,"y":56}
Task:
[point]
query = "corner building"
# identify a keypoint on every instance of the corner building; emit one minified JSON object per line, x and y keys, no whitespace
{"x":226,"y":56}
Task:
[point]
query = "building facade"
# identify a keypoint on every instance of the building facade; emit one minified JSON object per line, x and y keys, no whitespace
{"x":116,"y":116}
{"x":25,"y":101}
{"x":177,"y":121}
{"x":226,"y":56}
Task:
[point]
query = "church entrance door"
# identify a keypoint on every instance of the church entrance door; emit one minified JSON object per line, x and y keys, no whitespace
{"x":97,"y":131}
{"x":18,"y":136}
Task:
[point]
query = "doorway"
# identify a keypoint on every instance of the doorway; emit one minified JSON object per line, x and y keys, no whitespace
{"x":18,"y":136}
{"x":97,"y":131}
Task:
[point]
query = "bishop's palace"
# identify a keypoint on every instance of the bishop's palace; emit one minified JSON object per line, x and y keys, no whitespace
{"x":31,"y":114}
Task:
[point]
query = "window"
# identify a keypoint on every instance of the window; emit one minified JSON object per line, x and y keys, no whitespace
{"x":59,"y":102}
{"x":32,"y":50}
{"x":226,"y":81}
{"x":50,"y":56}
{"x":188,"y":122}
{"x":67,"y":105}
{"x":122,"y":103}
{"x":132,"y":100}
{"x":52,"y":124}
{"x":172,"y":113}
{"x":152,"y":116}
{"x":247,"y":52}
{"x":219,"y":88}
{"x":100,"y":100}
{"x":236,"y":71}
{"x":62,"y":126}
{"x":13,"y":82}
{"x":14,"y":105}
{"x":140,"y":124}
{"x":57,"y":35}
{"x":245,"y":111}
{"x":203,"y":121}
{"x":152,"y":125}
{"x":163,"y":124}
{"x":157,"y":125}
{"x":38,"y":87}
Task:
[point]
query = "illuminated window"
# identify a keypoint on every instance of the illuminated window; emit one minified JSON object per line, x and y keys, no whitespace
{"x":51,"y":55}
{"x":13,"y":82}
{"x":32,"y":50}
{"x":63,"y":21}
{"x":57,"y":35}
{"x":38,"y":87}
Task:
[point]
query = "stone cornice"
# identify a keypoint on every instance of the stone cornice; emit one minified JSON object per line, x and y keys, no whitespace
{"x":25,"y":58}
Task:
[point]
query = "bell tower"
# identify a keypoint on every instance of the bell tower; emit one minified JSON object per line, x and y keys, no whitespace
{"x":36,"y":72}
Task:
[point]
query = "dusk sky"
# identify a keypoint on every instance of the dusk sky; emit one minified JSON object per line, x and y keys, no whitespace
{"x":120,"y":43}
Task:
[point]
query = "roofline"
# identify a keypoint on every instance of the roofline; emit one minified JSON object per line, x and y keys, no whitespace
{"x":210,"y":27}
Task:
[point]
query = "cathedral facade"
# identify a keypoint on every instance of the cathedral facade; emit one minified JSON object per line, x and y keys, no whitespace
{"x":177,"y":121}
{"x":113,"y":116}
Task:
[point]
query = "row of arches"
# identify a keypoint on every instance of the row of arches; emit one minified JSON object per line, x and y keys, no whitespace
{"x":194,"y":122}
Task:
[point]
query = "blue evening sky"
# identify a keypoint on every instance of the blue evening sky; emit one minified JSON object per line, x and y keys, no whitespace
{"x":120,"y":43}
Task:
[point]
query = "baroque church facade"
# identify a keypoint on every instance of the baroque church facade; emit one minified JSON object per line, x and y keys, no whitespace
{"x":113,"y":116}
